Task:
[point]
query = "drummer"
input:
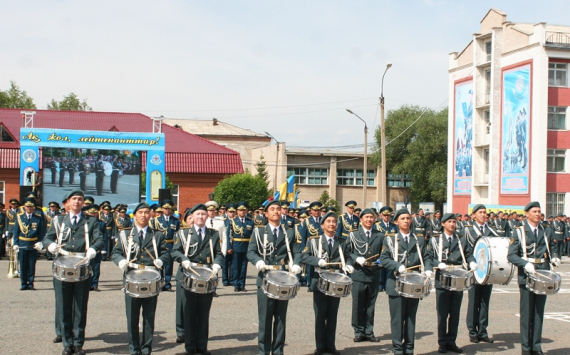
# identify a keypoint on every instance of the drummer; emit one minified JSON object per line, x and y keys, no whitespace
{"x":365,"y":247}
{"x":449,"y":249}
{"x":132,"y":253}
{"x":409,"y":255}
{"x":531,"y":248}
{"x":479,"y":295}
{"x":197,"y":247}
{"x":185,"y":224}
{"x":274,"y":253}
{"x":330,"y":249}
{"x":73,"y":297}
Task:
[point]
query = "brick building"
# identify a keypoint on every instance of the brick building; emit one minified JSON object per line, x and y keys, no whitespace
{"x":194,"y":165}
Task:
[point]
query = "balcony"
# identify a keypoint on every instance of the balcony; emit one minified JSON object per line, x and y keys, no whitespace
{"x":558,"y":40}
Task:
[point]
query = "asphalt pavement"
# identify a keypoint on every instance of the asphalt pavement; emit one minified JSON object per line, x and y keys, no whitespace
{"x":27,"y":320}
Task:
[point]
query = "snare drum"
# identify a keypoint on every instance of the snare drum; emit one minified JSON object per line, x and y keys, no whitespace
{"x":64,"y":268}
{"x":143,"y":283}
{"x":205,"y":282}
{"x":413,"y":285}
{"x":456,"y":279}
{"x":543,"y":282}
{"x":280,"y":285}
{"x":334,"y":284}
{"x":493,"y":266}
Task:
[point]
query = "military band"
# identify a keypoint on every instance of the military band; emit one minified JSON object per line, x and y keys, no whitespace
{"x":168,"y":225}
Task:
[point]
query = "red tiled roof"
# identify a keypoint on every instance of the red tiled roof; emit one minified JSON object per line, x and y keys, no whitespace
{"x":185,"y":152}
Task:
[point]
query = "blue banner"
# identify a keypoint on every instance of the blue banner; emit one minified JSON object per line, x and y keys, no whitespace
{"x":463,"y":144}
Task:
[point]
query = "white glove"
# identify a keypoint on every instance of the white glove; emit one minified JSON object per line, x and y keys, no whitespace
{"x":297,"y":269}
{"x":442,"y":266}
{"x":260,"y":265}
{"x":91,"y":253}
{"x":133,"y":265}
{"x":52,"y":248}
{"x":349,"y":269}
{"x":473,"y":266}
{"x":63,"y":252}
{"x":402,"y":269}
{"x":157,"y":263}
{"x":123,"y":265}
{"x":360,"y":260}
{"x":322,"y":263}
{"x":15,"y":247}
{"x":428,"y":273}
{"x":529,"y":267}
{"x":556,"y":261}
{"x":216,"y":268}
{"x":38,"y":246}
{"x":186,"y":264}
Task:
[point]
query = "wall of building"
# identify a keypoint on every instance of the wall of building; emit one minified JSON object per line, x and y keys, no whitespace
{"x":11,"y":178}
{"x":194,"y":188}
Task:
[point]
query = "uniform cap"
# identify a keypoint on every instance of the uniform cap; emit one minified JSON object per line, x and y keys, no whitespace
{"x":140,"y":206}
{"x":532,"y":204}
{"x":350,"y":204}
{"x":400,"y":212}
{"x":327,"y":215}
{"x":447,"y":216}
{"x":478,"y":207}
{"x":198,"y":207}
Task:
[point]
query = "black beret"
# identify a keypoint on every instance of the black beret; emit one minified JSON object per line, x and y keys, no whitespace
{"x":478,"y":207}
{"x":141,"y":206}
{"x":532,"y":204}
{"x":199,"y":207}
{"x":327,"y":215}
{"x":447,"y":216}
{"x":549,"y":217}
{"x":459,"y":215}
{"x":367,"y":211}
{"x":560,"y":215}
{"x":186,"y":214}
{"x":400,"y":212}
{"x":271,"y":203}
{"x":350,"y":204}
{"x":73,"y":193}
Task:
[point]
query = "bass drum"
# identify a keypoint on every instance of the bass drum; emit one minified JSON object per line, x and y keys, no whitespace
{"x":108,"y":168}
{"x":493,"y":266}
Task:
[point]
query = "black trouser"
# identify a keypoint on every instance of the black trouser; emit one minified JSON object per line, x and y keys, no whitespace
{"x":403,"y":323}
{"x":326,"y":312}
{"x":114,"y":180}
{"x":133,"y":308}
{"x":478,"y":310}
{"x":448,"y":305}
{"x":71,"y":176}
{"x":532,"y":317}
{"x":99,"y":182}
{"x":272,"y":324}
{"x":180,"y":309}
{"x":28,"y":258}
{"x":82,"y":181}
{"x":196,"y":320}
{"x":2,"y":245}
{"x":559,"y":247}
{"x":61,"y":177}
{"x":73,"y":298}
{"x":364,"y":296}
{"x":53,"y":171}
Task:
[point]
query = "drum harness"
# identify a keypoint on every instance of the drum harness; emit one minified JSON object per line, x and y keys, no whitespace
{"x":67,"y":231}
{"x":472,"y":240}
{"x":134,"y":247}
{"x":264,"y":247}
{"x":532,"y":248}
{"x":394,"y":250}
{"x":319,"y":254}
{"x":187,"y":245}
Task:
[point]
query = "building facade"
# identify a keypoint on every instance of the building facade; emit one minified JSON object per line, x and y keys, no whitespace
{"x":508,"y":136}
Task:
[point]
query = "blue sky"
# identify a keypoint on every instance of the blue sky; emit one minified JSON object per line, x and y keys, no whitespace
{"x":286,"y":67}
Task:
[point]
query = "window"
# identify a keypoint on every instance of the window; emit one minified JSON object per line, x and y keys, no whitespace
{"x":2,"y":191}
{"x":486,"y":158}
{"x":557,"y":74}
{"x":309,"y":176}
{"x":554,"y":203}
{"x":487,"y":86}
{"x":487,"y":115}
{"x":556,"y":117}
{"x":354,"y":177}
{"x":175,"y":195}
{"x":399,"y":180}
{"x":555,"y":160}
{"x":5,"y":136}
{"x":488,"y":49}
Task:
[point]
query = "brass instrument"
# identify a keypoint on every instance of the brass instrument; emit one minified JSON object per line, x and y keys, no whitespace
{"x":13,"y":264}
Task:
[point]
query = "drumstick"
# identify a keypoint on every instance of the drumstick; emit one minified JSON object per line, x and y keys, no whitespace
{"x":82,"y":261}
{"x":339,"y":263}
{"x":413,"y":267}
{"x":190,"y":268}
{"x":372,"y":257}
{"x":152,"y":257}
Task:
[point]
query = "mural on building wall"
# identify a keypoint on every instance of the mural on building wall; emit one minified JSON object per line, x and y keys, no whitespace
{"x":463,"y":172}
{"x":515,"y":130}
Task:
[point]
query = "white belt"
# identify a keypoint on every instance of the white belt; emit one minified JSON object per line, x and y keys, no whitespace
{"x":319,"y":270}
{"x":420,"y":229}
{"x":534,"y":261}
{"x":559,"y":232}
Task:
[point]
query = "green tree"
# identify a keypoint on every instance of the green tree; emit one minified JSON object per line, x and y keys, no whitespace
{"x":327,"y":201}
{"x":16,"y":98}
{"x":241,"y":187}
{"x":69,"y":103}
{"x":167,"y":184}
{"x":261,"y":168}
{"x":418,"y":149}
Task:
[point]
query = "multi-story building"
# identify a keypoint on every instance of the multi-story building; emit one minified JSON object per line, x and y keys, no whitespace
{"x":508,"y":108}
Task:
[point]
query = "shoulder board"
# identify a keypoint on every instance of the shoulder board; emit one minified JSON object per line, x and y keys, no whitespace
{"x":248,"y":218}
{"x":315,"y":237}
{"x":468,"y":225}
{"x":390,"y":234}
{"x":20,"y":212}
{"x":38,"y":213}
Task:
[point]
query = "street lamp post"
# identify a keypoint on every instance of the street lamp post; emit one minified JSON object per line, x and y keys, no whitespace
{"x":276,"y":163}
{"x":383,"y":141}
{"x":364,"y":182}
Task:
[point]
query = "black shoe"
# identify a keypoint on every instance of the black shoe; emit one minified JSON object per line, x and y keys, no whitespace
{"x":442,"y":349}
{"x":236,"y":289}
{"x":309,"y":290}
{"x":57,"y":339}
{"x":358,"y":339}
{"x":68,"y":350}
{"x":474,"y":340}
{"x":537,"y":352}
{"x":243,"y":289}
{"x":226,"y":284}
{"x":31,"y":288}
{"x":320,"y":351}
{"x":203,"y":352}
{"x":190,"y":352}
{"x":332,"y":351}
{"x":79,"y":350}
{"x":180,"y":340}
{"x":382,"y":290}
{"x":454,"y":348}
{"x":486,"y":340}
{"x":373,"y":339}
{"x":216,"y":295}
{"x":23,"y":288}
{"x":525,"y":352}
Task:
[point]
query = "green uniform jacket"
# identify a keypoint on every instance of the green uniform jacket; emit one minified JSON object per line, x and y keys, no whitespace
{"x":310,"y":255}
{"x":74,"y":237}
{"x":279,"y":256}
{"x":142,"y":256}
{"x":409,"y":251}
{"x":201,"y":253}
{"x":361,"y":246}
{"x":516,"y":252}
{"x":453,"y":254}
